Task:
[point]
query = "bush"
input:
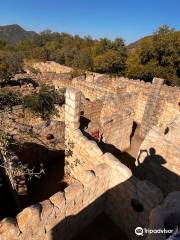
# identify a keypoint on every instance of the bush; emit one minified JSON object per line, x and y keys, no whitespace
{"x":9,"y":99}
{"x":43,"y":102}
{"x":59,"y":96}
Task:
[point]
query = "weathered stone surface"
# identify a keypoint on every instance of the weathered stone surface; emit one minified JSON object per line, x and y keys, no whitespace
{"x":104,"y":183}
{"x":102,"y":169}
{"x":58,"y":199}
{"x":72,"y":191}
{"x":9,"y":229}
{"x":29,"y":219}
{"x":47,"y":208}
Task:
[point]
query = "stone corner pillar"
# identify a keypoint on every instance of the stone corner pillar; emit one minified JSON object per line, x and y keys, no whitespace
{"x":72,"y":108}
{"x":72,"y":123}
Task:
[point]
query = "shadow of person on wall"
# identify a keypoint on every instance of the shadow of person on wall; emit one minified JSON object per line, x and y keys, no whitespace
{"x":153,"y":168}
{"x":151,"y":155}
{"x":129,"y":204}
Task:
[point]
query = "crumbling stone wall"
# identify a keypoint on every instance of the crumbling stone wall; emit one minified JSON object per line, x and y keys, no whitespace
{"x":78,"y":147}
{"x":123,"y":187}
{"x":169,"y":113}
{"x":15,"y":179}
{"x":64,"y":214}
{"x":92,"y":110}
{"x":117,"y":120}
{"x":150,"y":116}
{"x":149,"y":98}
{"x":102,"y":183}
{"x":51,"y":66}
{"x":89,"y":89}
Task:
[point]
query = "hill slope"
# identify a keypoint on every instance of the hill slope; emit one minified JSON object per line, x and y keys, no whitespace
{"x":14,"y":33}
{"x":133,"y":45}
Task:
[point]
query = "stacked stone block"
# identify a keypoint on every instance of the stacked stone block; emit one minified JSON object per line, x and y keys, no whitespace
{"x":15,"y":179}
{"x":103,"y":184}
{"x":64,"y":214}
{"x":117,"y":120}
{"x":92,"y":110}
{"x":151,"y":113}
{"x":119,"y":204}
{"x":72,"y":115}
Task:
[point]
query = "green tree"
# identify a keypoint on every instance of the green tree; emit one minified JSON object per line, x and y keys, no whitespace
{"x":10,"y":64}
{"x":109,"y":62}
{"x":156,"y":56}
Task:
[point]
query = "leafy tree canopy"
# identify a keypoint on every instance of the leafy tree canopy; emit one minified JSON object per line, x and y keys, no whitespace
{"x":153,"y":56}
{"x":158,"y":56}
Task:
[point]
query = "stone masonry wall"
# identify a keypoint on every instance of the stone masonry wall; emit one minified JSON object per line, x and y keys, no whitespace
{"x":123,"y":187}
{"x":150,"y":116}
{"x":92,"y":110}
{"x":51,"y":67}
{"x":117,"y":120}
{"x":120,"y":200}
{"x":64,"y":214}
{"x":78,"y":147}
{"x":102,"y":183}
{"x":143,"y":91}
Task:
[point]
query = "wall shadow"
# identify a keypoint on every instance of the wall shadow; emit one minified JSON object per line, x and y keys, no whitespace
{"x":7,"y":202}
{"x":153,"y":169}
{"x":134,"y":127}
{"x":84,"y":123}
{"x":84,"y":225}
{"x":91,"y":223}
{"x":123,"y":157}
{"x":47,"y":184}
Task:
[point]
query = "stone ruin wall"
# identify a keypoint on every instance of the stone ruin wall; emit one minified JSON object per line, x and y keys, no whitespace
{"x":104,"y":184}
{"x":92,"y":110}
{"x":89,"y":89}
{"x":64,"y":214}
{"x":83,"y":158}
{"x":51,"y":66}
{"x":94,"y":90}
{"x":116,"y":120}
{"x":119,"y":196}
{"x":142,"y":92}
{"x":83,"y":154}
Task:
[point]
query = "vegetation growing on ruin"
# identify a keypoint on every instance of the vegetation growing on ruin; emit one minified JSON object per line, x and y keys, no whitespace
{"x":18,"y":168}
{"x":43,"y":102}
{"x":8,"y":99}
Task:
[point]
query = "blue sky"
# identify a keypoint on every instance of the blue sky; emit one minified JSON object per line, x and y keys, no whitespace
{"x":130,"y":19}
